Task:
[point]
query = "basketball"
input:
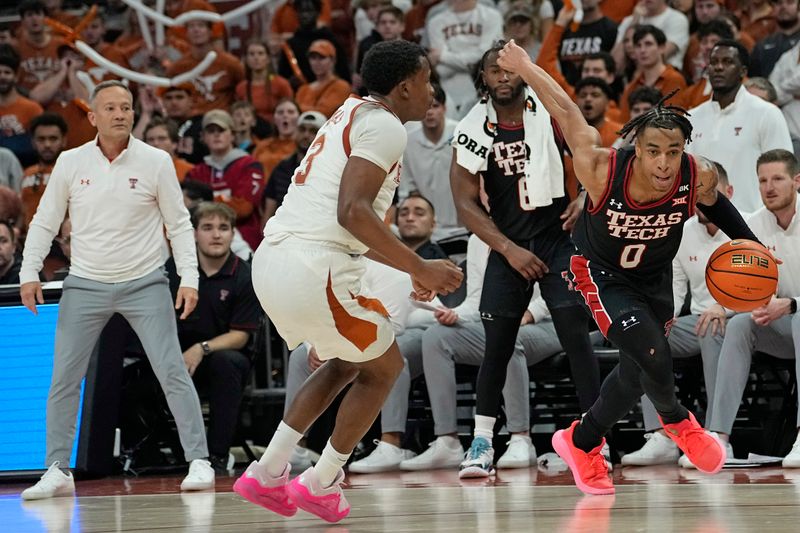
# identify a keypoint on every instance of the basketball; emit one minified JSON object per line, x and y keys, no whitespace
{"x":741,"y":275}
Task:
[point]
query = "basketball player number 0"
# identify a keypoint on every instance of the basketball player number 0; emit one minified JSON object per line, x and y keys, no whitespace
{"x":313,"y":151}
{"x":631,"y":255}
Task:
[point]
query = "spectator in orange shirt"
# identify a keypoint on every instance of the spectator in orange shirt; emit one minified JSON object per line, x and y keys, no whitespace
{"x":262,"y":87}
{"x":49,"y":132}
{"x":94,"y":35}
{"x":16,"y":111}
{"x":285,"y":21}
{"x":176,"y":7}
{"x":415,"y":20}
{"x":649,"y":43}
{"x":6,"y":35}
{"x":758,"y":18}
{"x":327,"y":92}
{"x":65,"y":94}
{"x":270,"y":152}
{"x":163,"y":133}
{"x":592,"y":97}
{"x":37,"y":46}
{"x":704,"y":11}
{"x":708,"y":35}
{"x":55,"y":11}
{"x":136,"y":53}
{"x":216,"y":86}
{"x":617,"y":10}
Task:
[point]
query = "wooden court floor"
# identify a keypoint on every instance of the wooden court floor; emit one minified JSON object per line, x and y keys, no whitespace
{"x":657,"y":499}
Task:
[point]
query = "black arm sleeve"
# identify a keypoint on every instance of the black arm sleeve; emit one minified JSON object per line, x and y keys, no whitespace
{"x":728,"y":219}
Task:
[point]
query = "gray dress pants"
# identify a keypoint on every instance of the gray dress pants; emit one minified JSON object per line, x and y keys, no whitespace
{"x":85,"y":308}
{"x":779,"y":339}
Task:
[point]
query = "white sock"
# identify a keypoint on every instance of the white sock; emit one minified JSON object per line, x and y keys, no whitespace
{"x":330,"y":462}
{"x":280,"y":449}
{"x":484,"y":427}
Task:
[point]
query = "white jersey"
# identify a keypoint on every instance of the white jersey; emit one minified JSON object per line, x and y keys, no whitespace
{"x":362,"y":128}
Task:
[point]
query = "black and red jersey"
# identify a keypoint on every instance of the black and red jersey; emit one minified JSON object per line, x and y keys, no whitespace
{"x":504,"y":183}
{"x":637,"y":240}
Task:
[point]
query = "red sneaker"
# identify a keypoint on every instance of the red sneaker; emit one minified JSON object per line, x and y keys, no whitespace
{"x":327,"y":503}
{"x":589,"y":469}
{"x":703,"y":449}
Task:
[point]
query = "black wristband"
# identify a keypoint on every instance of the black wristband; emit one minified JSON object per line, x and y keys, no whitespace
{"x":792,"y":306}
{"x":728,"y":219}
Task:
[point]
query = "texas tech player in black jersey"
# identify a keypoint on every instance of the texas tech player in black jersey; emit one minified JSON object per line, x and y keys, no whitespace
{"x":529,"y":245}
{"x":638,"y":200}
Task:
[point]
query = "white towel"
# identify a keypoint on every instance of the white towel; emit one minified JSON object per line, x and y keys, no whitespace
{"x":544,"y":172}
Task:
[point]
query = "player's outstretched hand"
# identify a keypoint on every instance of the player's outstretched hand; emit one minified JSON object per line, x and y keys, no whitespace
{"x":512,"y":58}
{"x":436,"y":276}
{"x":525,"y":262}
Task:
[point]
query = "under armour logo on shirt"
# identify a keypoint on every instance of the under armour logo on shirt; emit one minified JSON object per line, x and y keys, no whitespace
{"x":629,"y":323}
{"x":615,"y":203}
{"x":85,"y":182}
{"x":692,"y":258}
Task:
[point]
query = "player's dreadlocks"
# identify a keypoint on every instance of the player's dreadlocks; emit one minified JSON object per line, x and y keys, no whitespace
{"x":659,"y":116}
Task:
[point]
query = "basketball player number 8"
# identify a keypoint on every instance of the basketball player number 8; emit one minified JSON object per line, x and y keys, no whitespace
{"x":313,"y":151}
{"x":631,"y":255}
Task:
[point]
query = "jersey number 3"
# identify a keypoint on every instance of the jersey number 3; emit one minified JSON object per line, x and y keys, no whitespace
{"x":313,"y":151}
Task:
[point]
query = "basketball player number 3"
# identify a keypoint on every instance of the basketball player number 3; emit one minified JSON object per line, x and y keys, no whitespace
{"x":631,"y":255}
{"x":313,"y":151}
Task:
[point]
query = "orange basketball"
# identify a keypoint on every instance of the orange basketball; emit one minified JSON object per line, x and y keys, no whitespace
{"x":741,"y":275}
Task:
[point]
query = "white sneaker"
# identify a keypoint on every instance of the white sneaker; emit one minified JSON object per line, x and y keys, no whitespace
{"x":658,"y":450}
{"x":684,"y":461}
{"x":440,"y":454}
{"x":793,"y":459}
{"x":384,"y":458}
{"x":303,"y":458}
{"x":53,"y":483}
{"x":520,"y":453}
{"x":200,"y":476}
{"x":605,"y":451}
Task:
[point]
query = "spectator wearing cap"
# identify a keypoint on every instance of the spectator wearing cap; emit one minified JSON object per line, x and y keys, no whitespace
{"x":163,"y":133}
{"x":596,"y":33}
{"x":768,"y":50}
{"x":65,"y":94}
{"x":670,"y":21}
{"x":308,"y":125}
{"x":328,"y":91}
{"x":216,"y":86}
{"x":735,"y":127}
{"x":37,"y":46}
{"x":298,"y":45}
{"x":235,"y":177}
{"x":16,"y":111}
{"x":649,"y":44}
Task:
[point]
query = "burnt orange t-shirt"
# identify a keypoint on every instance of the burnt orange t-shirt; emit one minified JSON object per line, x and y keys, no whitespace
{"x":34,"y":181}
{"x":285,"y":18}
{"x":693,"y":95}
{"x":272,"y":151}
{"x":16,"y":117}
{"x":618,"y":9}
{"x":760,"y":28}
{"x":216,"y":87}
{"x":265,"y":101}
{"x":79,"y":129}
{"x":325,"y":98}
{"x":182,"y":166}
{"x":669,"y":80}
{"x":37,"y":63}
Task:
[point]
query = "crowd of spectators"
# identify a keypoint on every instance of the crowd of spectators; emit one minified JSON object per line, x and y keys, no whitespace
{"x":239,"y":130}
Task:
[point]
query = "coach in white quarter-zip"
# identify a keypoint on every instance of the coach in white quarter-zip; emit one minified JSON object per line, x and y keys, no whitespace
{"x":120,"y":193}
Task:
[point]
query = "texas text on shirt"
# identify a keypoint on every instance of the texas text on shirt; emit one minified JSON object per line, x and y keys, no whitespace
{"x":134,"y":196}
{"x":735,"y":136}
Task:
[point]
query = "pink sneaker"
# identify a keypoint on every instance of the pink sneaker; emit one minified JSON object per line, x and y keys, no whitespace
{"x":257,"y":487}
{"x":327,"y":503}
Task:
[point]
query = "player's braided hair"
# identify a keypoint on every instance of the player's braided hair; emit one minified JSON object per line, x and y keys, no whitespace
{"x":660,"y":115}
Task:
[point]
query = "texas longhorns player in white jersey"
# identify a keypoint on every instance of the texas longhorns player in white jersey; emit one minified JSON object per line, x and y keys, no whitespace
{"x":307,"y":274}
